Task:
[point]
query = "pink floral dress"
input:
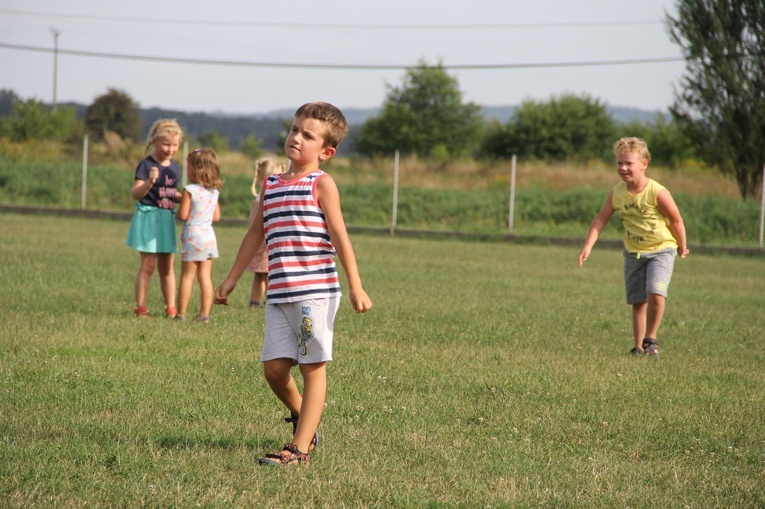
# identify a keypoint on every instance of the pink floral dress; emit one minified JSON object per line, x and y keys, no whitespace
{"x":198,"y":238}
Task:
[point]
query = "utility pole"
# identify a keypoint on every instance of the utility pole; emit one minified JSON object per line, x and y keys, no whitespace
{"x":55,"y":33}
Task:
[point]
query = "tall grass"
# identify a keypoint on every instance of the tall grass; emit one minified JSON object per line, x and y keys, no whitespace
{"x":558,"y":200}
{"x":486,"y":375}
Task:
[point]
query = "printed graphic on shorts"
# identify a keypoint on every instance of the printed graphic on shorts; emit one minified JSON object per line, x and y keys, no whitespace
{"x":306,"y":332}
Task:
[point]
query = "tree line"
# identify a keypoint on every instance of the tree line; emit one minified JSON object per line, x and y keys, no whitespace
{"x":718,"y":116}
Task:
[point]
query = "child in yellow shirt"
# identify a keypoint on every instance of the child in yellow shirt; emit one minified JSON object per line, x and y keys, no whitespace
{"x":654,"y":233}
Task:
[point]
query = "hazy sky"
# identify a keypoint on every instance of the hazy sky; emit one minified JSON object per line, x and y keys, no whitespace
{"x":395,"y":33}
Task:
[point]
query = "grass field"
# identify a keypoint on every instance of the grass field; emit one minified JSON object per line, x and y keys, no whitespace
{"x":486,"y":375}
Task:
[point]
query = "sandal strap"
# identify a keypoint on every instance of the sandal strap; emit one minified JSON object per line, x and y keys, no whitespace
{"x":296,"y":454}
{"x":293,"y":456}
{"x":293,"y":419}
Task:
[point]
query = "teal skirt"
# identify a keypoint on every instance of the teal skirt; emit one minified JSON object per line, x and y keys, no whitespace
{"x":152,"y":230}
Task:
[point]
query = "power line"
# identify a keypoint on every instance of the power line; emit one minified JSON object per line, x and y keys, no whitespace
{"x":336,"y":26}
{"x":359,"y":67}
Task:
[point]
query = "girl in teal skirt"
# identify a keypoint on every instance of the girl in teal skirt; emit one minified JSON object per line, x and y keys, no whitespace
{"x":152,"y":229}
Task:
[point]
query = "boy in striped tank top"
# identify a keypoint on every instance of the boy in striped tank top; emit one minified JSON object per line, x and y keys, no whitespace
{"x":654,"y":233}
{"x":301,"y":221}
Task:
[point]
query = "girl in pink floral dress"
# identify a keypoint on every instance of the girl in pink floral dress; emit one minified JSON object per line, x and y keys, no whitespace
{"x":200,"y":209}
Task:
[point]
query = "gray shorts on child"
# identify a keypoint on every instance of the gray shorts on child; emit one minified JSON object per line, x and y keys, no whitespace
{"x":646,"y":273}
{"x":302,"y":331}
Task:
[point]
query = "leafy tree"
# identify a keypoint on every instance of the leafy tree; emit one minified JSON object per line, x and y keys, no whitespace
{"x":565,"y":127}
{"x":497,"y":142}
{"x":33,"y":120}
{"x":30,"y":121}
{"x":114,"y":111}
{"x":721,"y":104}
{"x":214,"y":141}
{"x":425,"y":114}
{"x":666,"y":141}
{"x":8,"y":99}
{"x":251,"y":147}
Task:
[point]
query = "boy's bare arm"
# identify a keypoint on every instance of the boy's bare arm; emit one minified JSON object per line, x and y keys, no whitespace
{"x":250,"y":243}
{"x":597,"y":226}
{"x":329,"y":198}
{"x":667,"y":206}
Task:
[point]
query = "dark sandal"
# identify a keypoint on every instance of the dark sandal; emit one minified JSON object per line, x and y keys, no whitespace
{"x":289,"y":455}
{"x":651,"y":347}
{"x":293,"y":419}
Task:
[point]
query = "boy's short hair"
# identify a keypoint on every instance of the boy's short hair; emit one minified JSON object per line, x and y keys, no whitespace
{"x":632,"y":145}
{"x":337,"y":127}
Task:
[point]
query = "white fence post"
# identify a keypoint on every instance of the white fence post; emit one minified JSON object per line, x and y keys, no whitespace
{"x":84,"y":170}
{"x":512,"y":195}
{"x":185,"y":164}
{"x":395,"y":194}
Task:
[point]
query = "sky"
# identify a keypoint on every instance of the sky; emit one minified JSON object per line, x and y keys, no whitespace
{"x":252,"y":56}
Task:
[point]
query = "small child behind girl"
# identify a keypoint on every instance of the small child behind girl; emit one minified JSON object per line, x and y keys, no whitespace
{"x":259,"y":265}
{"x":200,"y":209}
{"x":152,"y":229}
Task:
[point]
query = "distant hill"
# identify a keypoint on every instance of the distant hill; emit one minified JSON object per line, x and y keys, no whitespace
{"x":267,"y":127}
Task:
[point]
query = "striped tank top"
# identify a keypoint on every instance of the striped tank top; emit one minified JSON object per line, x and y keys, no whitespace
{"x":301,"y":258}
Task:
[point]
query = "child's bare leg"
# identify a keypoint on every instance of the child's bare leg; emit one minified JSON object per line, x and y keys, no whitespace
{"x":143,"y":278}
{"x":279,"y":377}
{"x":314,"y":396}
{"x":188,"y":273}
{"x":204,"y":275}
{"x":258,"y":286}
{"x":656,"y":305}
{"x":638,"y":324}
{"x":167,"y":278}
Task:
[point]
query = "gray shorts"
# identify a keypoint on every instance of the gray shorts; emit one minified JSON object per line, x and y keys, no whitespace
{"x":301,"y":331}
{"x":646,"y":273}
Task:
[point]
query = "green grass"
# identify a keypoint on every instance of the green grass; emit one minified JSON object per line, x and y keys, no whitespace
{"x":486,"y":375}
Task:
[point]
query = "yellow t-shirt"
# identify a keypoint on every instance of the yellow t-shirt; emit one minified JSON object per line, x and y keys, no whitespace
{"x":645,"y":227}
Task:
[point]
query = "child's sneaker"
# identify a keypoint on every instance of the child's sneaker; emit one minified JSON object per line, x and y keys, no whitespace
{"x":651,"y":347}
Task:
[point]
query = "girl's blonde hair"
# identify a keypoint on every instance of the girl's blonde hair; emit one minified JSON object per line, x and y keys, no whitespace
{"x":203,"y":163}
{"x":632,"y":145}
{"x":164,"y":127}
{"x":263,"y":168}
